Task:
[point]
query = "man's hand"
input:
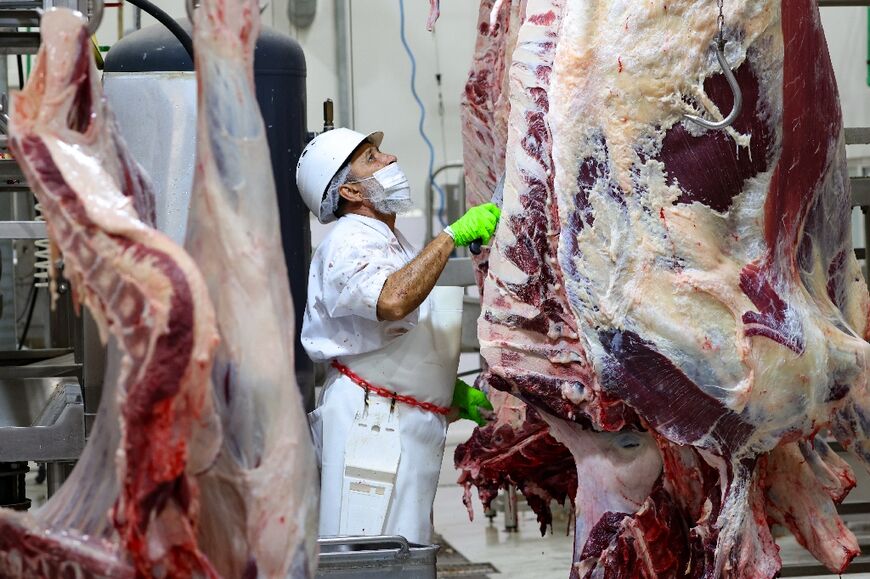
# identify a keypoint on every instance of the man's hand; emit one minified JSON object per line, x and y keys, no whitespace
{"x":470,"y":401}
{"x":478,"y":223}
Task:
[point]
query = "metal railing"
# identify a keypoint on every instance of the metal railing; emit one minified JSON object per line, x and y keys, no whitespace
{"x":429,"y":210}
{"x":842,"y":3}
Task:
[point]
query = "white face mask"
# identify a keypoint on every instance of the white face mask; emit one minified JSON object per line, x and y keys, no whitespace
{"x":394,"y":193}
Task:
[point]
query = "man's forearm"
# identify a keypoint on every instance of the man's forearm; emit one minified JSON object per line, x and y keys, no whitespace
{"x":406,"y":289}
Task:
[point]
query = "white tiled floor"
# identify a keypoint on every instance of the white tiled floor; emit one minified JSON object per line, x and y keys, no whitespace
{"x":520,"y":555}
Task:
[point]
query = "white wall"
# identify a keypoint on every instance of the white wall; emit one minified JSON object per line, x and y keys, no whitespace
{"x":846,"y":31}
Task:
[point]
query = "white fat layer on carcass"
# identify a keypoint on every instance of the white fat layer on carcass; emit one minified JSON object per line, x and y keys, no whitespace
{"x":267,"y":465}
{"x":105,"y":203}
{"x":574,"y":393}
{"x":557,"y":359}
{"x":857,"y":310}
{"x":671,"y":273}
{"x":512,"y":275}
{"x":496,"y":8}
{"x":641,"y":57}
{"x":854,"y":312}
{"x":622,"y":77}
{"x":698,"y":325}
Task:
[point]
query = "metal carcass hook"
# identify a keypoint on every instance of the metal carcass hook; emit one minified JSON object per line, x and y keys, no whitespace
{"x":96,"y":17}
{"x":191,"y":5}
{"x":93,"y":20}
{"x":719,"y":47}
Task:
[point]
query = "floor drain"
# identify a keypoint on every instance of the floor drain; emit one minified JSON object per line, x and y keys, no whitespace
{"x":452,"y":563}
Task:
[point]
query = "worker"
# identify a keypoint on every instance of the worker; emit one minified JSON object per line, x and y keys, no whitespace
{"x":381,"y":420}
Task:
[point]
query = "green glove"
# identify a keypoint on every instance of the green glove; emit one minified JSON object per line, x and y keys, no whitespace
{"x":469,"y":401}
{"x":477,"y":223}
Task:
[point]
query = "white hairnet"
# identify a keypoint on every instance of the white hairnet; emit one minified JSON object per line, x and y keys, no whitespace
{"x":332,"y":197}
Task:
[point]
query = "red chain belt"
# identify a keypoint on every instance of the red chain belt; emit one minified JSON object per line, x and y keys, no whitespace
{"x":380,"y":391}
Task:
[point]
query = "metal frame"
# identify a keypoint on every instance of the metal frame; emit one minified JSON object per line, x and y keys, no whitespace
{"x":57,"y":435}
{"x":842,"y":3}
{"x":861,"y":189}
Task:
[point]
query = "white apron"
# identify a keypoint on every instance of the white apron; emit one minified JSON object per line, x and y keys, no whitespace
{"x":421,"y":364}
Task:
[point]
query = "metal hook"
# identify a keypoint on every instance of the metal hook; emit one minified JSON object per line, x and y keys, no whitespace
{"x":96,"y":17}
{"x":191,"y":5}
{"x":735,"y":90}
{"x":93,"y":21}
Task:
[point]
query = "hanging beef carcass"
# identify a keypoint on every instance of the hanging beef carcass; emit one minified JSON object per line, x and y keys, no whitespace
{"x":260,"y":498}
{"x":159,"y":492}
{"x":130,"y":507}
{"x":696,"y":286}
{"x":509,"y":76}
{"x":512,"y":450}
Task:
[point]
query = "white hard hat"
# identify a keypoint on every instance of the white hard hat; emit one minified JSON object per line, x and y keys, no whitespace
{"x":319,"y":163}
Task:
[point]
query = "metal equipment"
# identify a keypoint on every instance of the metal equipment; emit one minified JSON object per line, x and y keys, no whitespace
{"x":454,"y":203}
{"x":151,"y":86}
{"x":44,"y":401}
{"x":381,"y":557}
{"x":719,"y":49}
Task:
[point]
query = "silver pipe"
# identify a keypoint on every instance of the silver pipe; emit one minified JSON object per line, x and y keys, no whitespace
{"x":56,"y":473}
{"x":866,"y":211}
{"x":511,"y":516}
{"x":4,"y":71}
{"x":343,"y":63}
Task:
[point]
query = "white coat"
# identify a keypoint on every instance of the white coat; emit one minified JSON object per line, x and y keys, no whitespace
{"x":417,"y":356}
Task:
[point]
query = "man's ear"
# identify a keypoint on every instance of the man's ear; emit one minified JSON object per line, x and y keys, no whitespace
{"x":351,"y":192}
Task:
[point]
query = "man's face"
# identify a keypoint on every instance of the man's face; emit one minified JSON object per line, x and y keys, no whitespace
{"x":367,"y":159}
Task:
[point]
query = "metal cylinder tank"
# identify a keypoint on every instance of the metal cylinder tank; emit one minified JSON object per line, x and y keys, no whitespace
{"x":151,"y":87}
{"x":150,"y":84}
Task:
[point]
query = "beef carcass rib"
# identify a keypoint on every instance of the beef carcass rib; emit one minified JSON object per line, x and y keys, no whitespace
{"x":695,"y":287}
{"x":260,"y":499}
{"x":513,"y":448}
{"x":130,"y":506}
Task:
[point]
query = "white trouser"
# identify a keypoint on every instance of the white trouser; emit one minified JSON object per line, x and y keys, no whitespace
{"x":422,"y":436}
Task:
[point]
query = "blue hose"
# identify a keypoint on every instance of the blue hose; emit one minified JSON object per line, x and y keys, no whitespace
{"x":441,"y":197}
